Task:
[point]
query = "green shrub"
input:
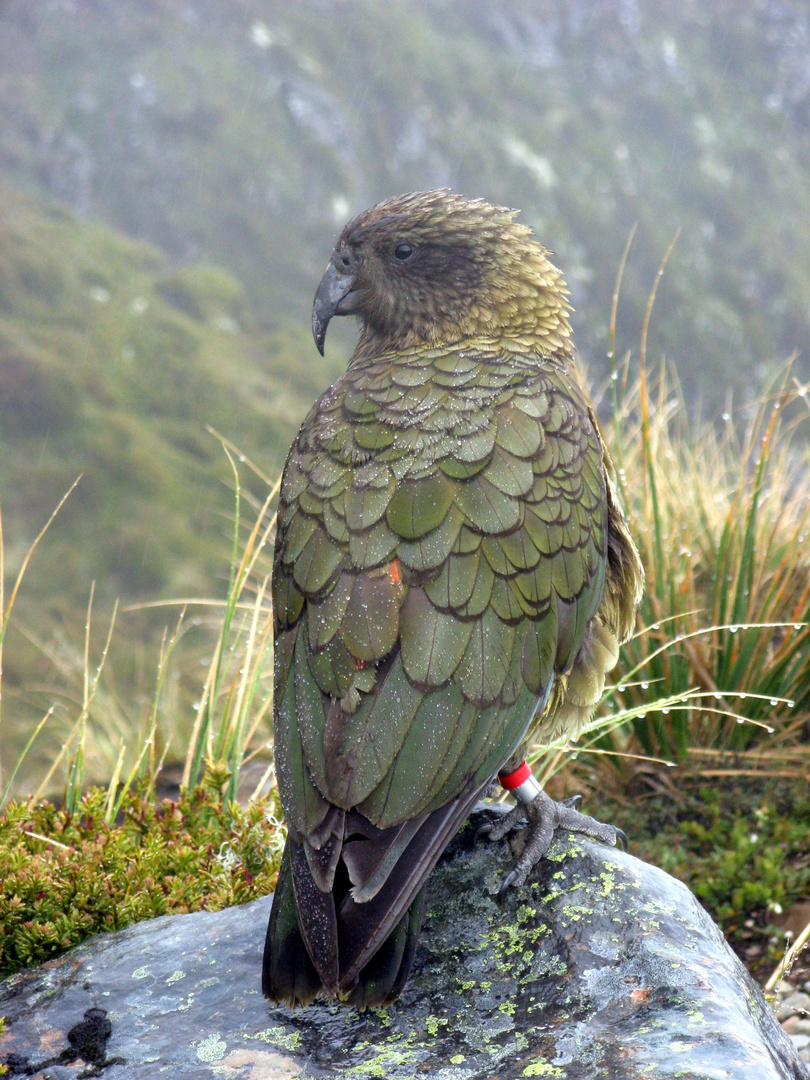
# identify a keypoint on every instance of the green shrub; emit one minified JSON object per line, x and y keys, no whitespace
{"x":64,"y":877}
{"x":743,"y":848}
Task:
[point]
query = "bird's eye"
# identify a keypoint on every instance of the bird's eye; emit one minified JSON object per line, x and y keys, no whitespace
{"x":345,"y":260}
{"x":403,"y":252}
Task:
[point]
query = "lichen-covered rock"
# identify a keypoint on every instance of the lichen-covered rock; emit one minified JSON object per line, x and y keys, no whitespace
{"x":603,"y":967}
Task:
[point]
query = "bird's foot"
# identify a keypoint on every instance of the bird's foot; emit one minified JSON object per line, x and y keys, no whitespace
{"x":543,"y":815}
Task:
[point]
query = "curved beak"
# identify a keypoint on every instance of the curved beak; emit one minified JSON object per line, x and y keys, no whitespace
{"x":334,"y":297}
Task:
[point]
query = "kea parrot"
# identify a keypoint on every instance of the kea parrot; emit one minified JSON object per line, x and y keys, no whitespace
{"x":452,"y":578}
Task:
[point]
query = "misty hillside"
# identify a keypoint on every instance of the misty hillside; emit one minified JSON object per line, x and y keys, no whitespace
{"x":172,"y":177}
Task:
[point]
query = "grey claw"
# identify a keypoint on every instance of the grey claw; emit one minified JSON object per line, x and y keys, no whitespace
{"x":507,"y":881}
{"x":621,"y":837}
{"x":573,"y":801}
{"x":482,"y":830}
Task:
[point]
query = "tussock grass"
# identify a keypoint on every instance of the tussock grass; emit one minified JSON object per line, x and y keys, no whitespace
{"x":98,"y":859}
{"x":237,"y":697}
{"x":722,"y":519}
{"x":90,"y":733}
{"x":716,"y":679}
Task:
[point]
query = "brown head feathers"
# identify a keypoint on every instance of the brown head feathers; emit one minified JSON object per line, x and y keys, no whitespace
{"x":435,"y":267}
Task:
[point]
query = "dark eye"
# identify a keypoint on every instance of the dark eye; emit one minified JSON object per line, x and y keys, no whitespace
{"x":345,"y":260}
{"x":403,"y":252}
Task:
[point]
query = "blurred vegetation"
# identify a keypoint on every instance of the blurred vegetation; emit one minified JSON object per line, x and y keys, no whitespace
{"x":166,"y":210}
{"x":111,"y":365}
{"x":243,"y":135}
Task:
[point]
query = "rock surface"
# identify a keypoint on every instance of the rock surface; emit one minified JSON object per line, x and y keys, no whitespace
{"x":603,"y":967}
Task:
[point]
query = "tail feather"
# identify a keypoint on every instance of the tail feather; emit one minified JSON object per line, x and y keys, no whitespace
{"x":369,"y":864}
{"x":323,"y":848}
{"x":365,"y":926}
{"x":328,"y":940}
{"x":382,"y":979}
{"x":288,"y":974}
{"x":319,"y":926}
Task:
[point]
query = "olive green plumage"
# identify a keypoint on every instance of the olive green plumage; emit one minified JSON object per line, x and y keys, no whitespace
{"x":450,"y":562}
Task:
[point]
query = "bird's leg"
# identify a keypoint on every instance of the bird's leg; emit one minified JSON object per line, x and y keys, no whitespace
{"x":542,"y":815}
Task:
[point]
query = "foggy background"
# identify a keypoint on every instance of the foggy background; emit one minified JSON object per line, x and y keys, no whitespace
{"x":173,"y":176}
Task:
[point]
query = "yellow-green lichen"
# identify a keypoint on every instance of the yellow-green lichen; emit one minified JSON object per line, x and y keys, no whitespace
{"x":382,"y":1064}
{"x":277,"y":1036}
{"x":542,"y":1068}
{"x":659,"y":907}
{"x":575,"y":912}
{"x":514,"y":938}
{"x":609,"y":885}
{"x":211,"y":1048}
{"x":563,"y":855}
{"x":433,"y":1023}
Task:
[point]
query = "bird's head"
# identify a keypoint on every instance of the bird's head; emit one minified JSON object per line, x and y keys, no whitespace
{"x":435,"y":267}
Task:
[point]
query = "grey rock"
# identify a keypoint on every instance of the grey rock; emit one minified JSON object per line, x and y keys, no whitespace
{"x":602,"y":967}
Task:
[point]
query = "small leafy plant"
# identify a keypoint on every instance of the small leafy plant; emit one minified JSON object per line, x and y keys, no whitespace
{"x":65,"y":876}
{"x":743,"y":849}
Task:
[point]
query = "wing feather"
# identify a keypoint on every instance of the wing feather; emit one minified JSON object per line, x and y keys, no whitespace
{"x":442,"y":551}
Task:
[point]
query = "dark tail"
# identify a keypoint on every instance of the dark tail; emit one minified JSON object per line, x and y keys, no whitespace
{"x":289,"y":975}
{"x":355,"y":940}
